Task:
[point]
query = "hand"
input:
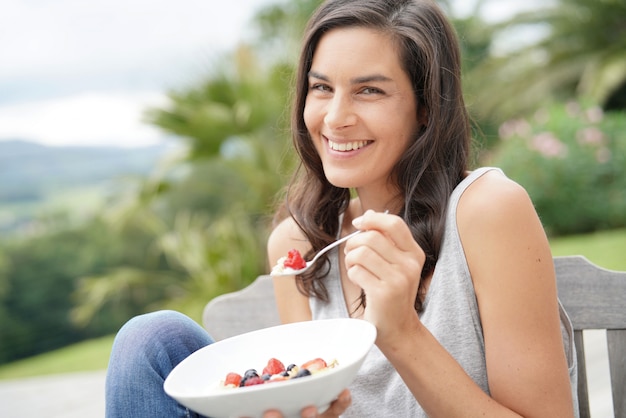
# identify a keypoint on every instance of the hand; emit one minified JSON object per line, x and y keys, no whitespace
{"x":386,"y":262}
{"x":336,"y":408}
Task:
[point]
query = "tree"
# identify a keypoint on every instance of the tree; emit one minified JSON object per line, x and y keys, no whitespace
{"x":41,"y":274}
{"x":207,"y":212}
{"x":582,"y":55}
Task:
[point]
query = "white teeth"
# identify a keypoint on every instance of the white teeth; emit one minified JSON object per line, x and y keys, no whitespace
{"x":346,"y":146}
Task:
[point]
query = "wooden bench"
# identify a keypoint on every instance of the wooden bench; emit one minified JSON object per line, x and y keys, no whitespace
{"x":593,"y":297}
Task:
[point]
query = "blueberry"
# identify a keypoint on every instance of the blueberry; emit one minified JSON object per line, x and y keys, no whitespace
{"x":266,"y":376}
{"x":285,"y":373}
{"x":302,"y":373}
{"x":247,"y":375}
{"x":291,"y":366}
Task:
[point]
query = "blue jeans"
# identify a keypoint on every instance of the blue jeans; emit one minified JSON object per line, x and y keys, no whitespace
{"x":145,"y":351}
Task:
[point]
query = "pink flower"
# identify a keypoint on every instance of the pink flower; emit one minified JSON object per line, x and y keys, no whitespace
{"x":595,"y":114}
{"x":590,"y":136}
{"x":513,"y":127}
{"x":548,"y":145}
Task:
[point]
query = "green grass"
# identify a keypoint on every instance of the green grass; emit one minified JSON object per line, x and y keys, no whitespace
{"x":606,"y":249}
{"x":85,"y":356}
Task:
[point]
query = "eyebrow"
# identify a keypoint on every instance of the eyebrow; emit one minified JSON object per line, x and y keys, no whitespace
{"x":356,"y":80}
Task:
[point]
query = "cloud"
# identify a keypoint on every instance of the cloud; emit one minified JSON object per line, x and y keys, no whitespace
{"x":87,"y":119}
{"x":51,"y":37}
{"x":76,"y":71}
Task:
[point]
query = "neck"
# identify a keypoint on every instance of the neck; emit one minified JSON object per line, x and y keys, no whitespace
{"x":376,"y":201}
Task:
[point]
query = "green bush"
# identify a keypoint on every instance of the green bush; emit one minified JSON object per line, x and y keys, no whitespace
{"x":572,"y":161}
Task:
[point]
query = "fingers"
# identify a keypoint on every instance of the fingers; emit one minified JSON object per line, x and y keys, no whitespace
{"x":336,"y":408}
{"x":385,"y":247}
{"x":386,"y":262}
{"x":391,"y":226}
{"x":272,"y":414}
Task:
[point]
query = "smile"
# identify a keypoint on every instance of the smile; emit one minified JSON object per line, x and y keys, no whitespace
{"x":346,"y":146}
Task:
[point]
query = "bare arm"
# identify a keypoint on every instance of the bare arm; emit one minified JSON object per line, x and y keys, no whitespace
{"x":513,"y":272}
{"x":292,"y":305}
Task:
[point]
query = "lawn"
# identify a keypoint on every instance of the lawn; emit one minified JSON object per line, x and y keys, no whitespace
{"x":85,"y":356}
{"x":606,"y":249}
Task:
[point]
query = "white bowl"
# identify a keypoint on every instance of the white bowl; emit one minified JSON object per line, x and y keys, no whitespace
{"x":197,"y":381}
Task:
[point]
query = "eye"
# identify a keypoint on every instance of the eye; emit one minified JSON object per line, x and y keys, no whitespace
{"x":371,"y":90}
{"x":321,"y":87}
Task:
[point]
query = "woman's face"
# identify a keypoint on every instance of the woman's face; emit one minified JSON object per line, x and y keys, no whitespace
{"x":360,"y":109}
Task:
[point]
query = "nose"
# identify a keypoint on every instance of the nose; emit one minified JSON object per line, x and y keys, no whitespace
{"x":340,"y":112}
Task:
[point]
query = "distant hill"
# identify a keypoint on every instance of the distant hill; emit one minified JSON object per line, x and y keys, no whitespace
{"x":30,"y":173}
{"x":27,"y":169}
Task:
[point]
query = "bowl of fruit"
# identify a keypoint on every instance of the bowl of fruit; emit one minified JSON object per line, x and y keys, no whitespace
{"x":286,"y":367}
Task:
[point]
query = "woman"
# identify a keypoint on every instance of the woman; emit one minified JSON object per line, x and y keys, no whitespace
{"x":458,"y":278}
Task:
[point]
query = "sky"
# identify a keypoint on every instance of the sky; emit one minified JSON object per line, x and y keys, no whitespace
{"x":76,"y":72}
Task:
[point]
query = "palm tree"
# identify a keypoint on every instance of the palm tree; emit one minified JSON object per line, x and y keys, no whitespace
{"x":582,"y":55}
{"x":207,"y":210}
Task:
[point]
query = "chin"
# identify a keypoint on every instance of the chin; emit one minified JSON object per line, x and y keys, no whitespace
{"x":345,"y":177}
{"x":342,"y":182}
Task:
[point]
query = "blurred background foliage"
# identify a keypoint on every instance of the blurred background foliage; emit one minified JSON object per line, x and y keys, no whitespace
{"x":572,"y":160}
{"x":546,"y":90}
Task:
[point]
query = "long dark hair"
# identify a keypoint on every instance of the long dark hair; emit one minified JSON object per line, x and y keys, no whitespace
{"x":433,"y":164}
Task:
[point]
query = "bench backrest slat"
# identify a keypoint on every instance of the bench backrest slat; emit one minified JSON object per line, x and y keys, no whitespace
{"x":249,"y":309}
{"x":594,"y":298}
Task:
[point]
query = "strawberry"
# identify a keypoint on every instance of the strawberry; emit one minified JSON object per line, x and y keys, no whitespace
{"x":232,"y":379}
{"x":294,"y":260}
{"x":273,"y":367}
{"x":314,"y":365}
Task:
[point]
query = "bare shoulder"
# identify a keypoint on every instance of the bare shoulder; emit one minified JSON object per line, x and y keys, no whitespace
{"x":493,"y":194}
{"x":499,"y":226}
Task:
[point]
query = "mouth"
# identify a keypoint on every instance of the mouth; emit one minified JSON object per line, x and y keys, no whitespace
{"x":347,"y":146}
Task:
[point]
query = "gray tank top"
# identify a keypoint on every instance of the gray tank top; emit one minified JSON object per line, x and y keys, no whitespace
{"x":450,"y":313}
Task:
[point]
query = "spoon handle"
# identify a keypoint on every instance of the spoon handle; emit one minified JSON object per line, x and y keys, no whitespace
{"x":334,"y":244}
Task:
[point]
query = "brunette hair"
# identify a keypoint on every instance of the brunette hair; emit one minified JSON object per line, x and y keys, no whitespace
{"x":436,"y":160}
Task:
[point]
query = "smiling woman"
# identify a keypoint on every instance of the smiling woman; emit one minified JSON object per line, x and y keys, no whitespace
{"x":457,"y":277}
{"x":359,"y":109}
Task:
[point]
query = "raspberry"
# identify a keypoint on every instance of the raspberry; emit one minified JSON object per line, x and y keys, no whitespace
{"x":232,"y":379}
{"x":294,"y":260}
{"x":254,"y":380}
{"x":273,"y":367}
